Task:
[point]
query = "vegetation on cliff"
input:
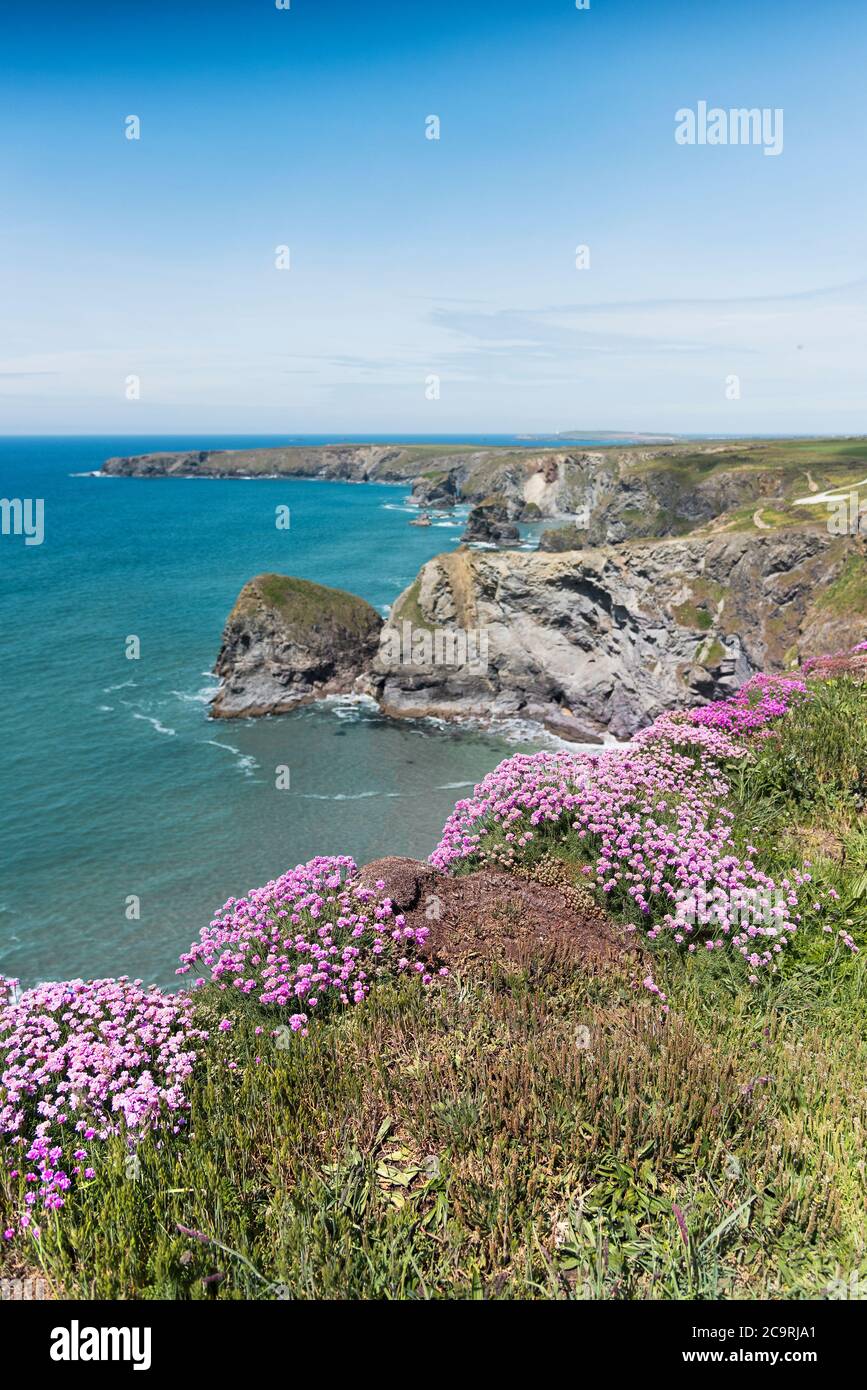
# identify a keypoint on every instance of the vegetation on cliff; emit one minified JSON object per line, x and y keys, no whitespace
{"x":677,"y":1123}
{"x":302,"y":604}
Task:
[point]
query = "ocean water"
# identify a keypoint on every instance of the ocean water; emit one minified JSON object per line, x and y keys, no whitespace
{"x":115,"y":784}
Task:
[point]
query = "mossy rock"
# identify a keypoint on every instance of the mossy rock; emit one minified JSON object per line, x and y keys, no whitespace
{"x":302,"y":604}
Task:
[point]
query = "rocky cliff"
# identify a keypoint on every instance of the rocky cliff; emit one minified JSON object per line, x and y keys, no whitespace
{"x":603,"y":639}
{"x":287,"y":642}
{"x":590,"y":641}
{"x":354,"y":462}
{"x":491,"y":522}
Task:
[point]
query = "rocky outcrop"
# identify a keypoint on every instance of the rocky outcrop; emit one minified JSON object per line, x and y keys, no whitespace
{"x":350,"y":462}
{"x":435,"y":490}
{"x":559,"y":538}
{"x":289,"y":641}
{"x":490,"y":523}
{"x":602,"y":640}
{"x":493,"y":916}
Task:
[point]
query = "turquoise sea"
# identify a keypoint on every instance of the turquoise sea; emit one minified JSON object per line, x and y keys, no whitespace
{"x":115,"y":783}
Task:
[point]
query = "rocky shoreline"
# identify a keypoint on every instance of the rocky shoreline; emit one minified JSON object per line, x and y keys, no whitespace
{"x":611,"y":494}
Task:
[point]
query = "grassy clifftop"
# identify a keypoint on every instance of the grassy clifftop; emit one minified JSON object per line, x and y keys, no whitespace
{"x":300,"y":603}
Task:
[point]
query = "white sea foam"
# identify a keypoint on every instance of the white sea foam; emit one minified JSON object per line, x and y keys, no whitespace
{"x":244,"y":762}
{"x":201,"y":697}
{"x":513,"y":730}
{"x":214,"y":743}
{"x":350,"y":707}
{"x":342,"y":796}
{"x":155,"y":723}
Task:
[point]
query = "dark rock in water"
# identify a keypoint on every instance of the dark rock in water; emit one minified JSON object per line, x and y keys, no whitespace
{"x":435,"y":490}
{"x":289,"y":641}
{"x":490,"y":522}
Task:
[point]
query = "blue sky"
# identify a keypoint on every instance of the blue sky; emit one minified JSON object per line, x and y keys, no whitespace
{"x":413,"y":258}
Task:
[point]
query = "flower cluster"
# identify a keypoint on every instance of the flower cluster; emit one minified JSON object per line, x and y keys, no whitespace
{"x":651,"y":822}
{"x":758,"y":703}
{"x":307,"y":940}
{"x":80,"y":1060}
{"x":851,"y":663}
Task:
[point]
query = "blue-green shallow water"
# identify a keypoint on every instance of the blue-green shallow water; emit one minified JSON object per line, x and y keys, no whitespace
{"x":114,"y":781}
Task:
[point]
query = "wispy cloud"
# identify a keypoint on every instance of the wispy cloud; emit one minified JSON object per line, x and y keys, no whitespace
{"x":739,"y":328}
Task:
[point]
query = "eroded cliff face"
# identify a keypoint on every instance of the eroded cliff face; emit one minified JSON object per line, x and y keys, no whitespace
{"x":603,"y":639}
{"x":612,"y":496}
{"x":289,"y":641}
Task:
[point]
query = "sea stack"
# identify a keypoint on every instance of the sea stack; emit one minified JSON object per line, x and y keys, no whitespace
{"x":289,"y":641}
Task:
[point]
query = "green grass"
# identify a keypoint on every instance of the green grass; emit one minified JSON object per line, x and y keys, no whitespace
{"x":530,"y":1134}
{"x":816,"y":770}
{"x":305,"y":604}
{"x":690,"y":615}
{"x":460,"y":1144}
{"x":848,"y":593}
{"x":773,"y":473}
{"x":409,"y":609}
{"x":710,"y":652}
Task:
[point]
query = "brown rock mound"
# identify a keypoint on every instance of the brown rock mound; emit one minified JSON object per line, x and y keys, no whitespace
{"x":491,"y":915}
